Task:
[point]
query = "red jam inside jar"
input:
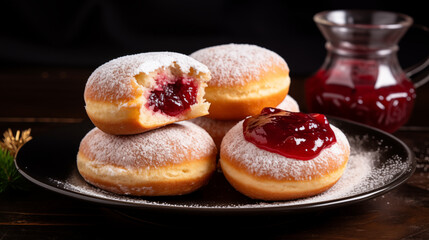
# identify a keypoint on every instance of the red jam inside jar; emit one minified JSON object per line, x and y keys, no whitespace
{"x":173,"y":98}
{"x":291,"y":134}
{"x":364,"y":91}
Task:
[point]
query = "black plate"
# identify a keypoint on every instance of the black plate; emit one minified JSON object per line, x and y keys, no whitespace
{"x":50,"y":161}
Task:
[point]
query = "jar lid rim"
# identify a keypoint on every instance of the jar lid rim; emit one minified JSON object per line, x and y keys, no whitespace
{"x":326,"y":18}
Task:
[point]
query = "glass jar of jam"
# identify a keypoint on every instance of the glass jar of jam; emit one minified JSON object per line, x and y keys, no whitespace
{"x":361,"y":78}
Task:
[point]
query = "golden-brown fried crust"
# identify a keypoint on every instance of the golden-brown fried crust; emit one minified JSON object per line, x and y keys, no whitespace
{"x":240,"y":101}
{"x":125,"y":127}
{"x":237,"y":109}
{"x":278,"y":189}
{"x":158,"y":186}
{"x":134,"y":119}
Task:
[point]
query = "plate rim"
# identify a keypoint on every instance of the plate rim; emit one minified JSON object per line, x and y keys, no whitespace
{"x":275,"y":208}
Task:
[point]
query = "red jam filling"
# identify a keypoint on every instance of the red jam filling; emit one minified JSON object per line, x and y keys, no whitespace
{"x":350,"y":90}
{"x":294,"y":135}
{"x":173,"y":98}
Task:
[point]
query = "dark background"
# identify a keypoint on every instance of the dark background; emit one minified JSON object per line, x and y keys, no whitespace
{"x":89,"y":33}
{"x":49,"y":48}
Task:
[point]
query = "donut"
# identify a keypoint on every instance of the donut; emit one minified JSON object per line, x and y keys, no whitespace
{"x":289,"y":104}
{"x":218,"y":128}
{"x":280,"y":155}
{"x":245,"y":79}
{"x":175,"y":159}
{"x":136,"y":93}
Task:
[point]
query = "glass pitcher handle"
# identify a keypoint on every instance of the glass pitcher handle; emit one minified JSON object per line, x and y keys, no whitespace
{"x":417,"y":68}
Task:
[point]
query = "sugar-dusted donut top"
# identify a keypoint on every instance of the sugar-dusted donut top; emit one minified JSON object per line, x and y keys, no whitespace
{"x":113,"y":80}
{"x":267,"y":164}
{"x":238,"y":64}
{"x":174,"y":143}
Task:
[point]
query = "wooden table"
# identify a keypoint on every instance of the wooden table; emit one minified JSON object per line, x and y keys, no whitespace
{"x":42,"y":98}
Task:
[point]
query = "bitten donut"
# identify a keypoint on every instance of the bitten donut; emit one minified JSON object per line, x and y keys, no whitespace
{"x":136,"y":93}
{"x":245,"y":79}
{"x":262,"y":161}
{"x":218,"y":128}
{"x":173,"y":160}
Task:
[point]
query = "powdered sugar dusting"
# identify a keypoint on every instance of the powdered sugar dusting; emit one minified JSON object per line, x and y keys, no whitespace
{"x":363,"y":173}
{"x":172,"y":143}
{"x":289,"y":104}
{"x":236,"y":64}
{"x":263,"y":163}
{"x":112,"y":80}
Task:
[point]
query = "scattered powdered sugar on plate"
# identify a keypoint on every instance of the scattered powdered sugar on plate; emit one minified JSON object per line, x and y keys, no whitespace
{"x":365,"y":172}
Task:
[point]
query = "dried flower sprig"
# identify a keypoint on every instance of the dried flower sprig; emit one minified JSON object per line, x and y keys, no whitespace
{"x":13,"y":143}
{"x":9,"y":147}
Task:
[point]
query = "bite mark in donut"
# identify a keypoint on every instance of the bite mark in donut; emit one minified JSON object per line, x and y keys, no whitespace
{"x":137,"y":93}
{"x":173,"y":97}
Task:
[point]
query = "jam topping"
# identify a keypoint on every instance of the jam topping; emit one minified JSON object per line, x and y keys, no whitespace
{"x":291,"y":134}
{"x":174,"y":98}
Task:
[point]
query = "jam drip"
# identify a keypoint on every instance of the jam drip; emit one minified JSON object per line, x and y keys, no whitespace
{"x":294,"y":135}
{"x":174,"y":98}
